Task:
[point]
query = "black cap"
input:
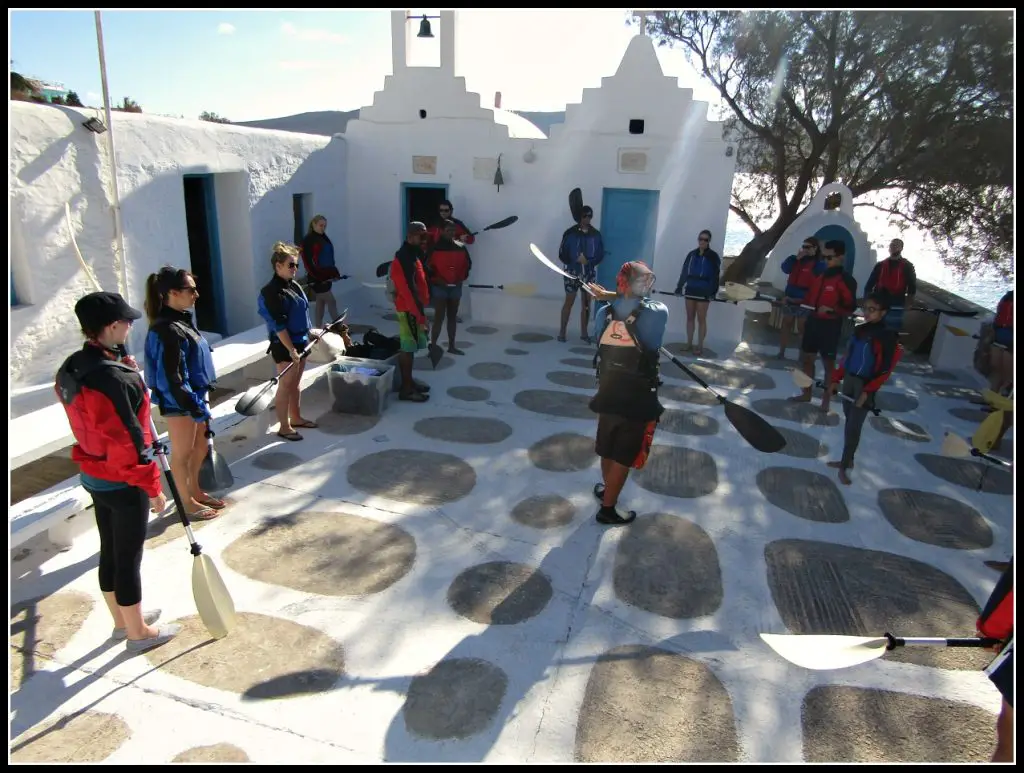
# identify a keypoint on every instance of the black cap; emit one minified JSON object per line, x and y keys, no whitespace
{"x":97,"y":310}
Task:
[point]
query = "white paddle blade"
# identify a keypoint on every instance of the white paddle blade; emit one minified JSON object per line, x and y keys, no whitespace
{"x":735,"y":291}
{"x":375,"y":285}
{"x":758,"y":307}
{"x":213,"y":602}
{"x":825,"y":652}
{"x":546,"y":261}
{"x":800,"y":378}
{"x":522,"y":289}
{"x":955,"y":446}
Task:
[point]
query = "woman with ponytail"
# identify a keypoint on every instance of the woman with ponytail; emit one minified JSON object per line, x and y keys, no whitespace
{"x":318,"y":256}
{"x":179,"y":368}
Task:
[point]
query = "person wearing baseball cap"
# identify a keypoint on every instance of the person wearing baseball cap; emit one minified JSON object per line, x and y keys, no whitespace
{"x":108,"y":408}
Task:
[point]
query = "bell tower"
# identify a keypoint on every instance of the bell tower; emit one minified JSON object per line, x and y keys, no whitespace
{"x":405,"y":26}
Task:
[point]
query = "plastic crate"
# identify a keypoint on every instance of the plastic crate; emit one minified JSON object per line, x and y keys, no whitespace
{"x":360,"y":386}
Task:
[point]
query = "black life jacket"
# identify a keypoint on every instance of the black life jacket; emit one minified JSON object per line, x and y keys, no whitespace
{"x":627,"y":375}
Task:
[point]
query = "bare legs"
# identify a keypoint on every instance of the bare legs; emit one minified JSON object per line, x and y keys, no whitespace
{"x":286,"y":403}
{"x":188,"y":450}
{"x":445,"y":309}
{"x":614,"y":475}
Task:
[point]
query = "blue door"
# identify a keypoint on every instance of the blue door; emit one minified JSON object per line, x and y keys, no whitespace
{"x":629,"y":222}
{"x":837,"y":233}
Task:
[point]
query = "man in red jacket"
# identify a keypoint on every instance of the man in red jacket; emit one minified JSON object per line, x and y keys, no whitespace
{"x":445,"y":213}
{"x":411,"y":296}
{"x":830,"y":299}
{"x":448,"y":266}
{"x":871,"y":354}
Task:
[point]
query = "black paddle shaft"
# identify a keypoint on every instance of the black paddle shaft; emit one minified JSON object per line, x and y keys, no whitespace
{"x":692,"y":375}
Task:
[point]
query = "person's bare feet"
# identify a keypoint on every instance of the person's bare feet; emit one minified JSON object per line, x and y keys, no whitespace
{"x":824,"y":406}
{"x":844,"y":478}
{"x":837,"y":465}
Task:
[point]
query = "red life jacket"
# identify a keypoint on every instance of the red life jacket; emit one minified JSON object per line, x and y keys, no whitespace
{"x":103,"y":447}
{"x":802,"y":275}
{"x":892,"y":278}
{"x":996,"y":619}
{"x":1004,"y":312}
{"x":831,"y":290}
{"x":450,"y":264}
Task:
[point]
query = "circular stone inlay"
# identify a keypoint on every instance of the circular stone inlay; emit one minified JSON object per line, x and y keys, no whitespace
{"x":464,"y":344}
{"x":856,"y":724}
{"x":85,"y":736}
{"x":457,"y":429}
{"x":973,"y":415}
{"x":572,"y":379}
{"x":578,"y":362}
{"x":586,"y":351}
{"x":687,"y":394}
{"x":457,"y":698}
{"x":492,"y":371}
{"x":967,"y":473}
{"x":688,"y":423}
{"x":334,"y":423}
{"x":645,"y":704}
{"x":935,"y":519}
{"x":499,"y":593}
{"x":950,"y":391}
{"x":805,"y":494}
{"x":544,"y":511}
{"x":564,"y":452}
{"x":570,"y":405}
{"x":801,"y":445}
{"x":330,"y":554}
{"x":218,"y":752}
{"x":668,"y":566}
{"x":167,"y":527}
{"x":898,"y":428}
{"x":675,"y":471}
{"x":677,"y":349}
{"x":277,"y":461}
{"x":41,"y":627}
{"x":516,"y":352}
{"x":415,"y":477}
{"x":532,"y":338}
{"x":827,"y":588}
{"x":895,"y":402}
{"x":263,"y":658}
{"x":808,"y":414}
{"x":483,"y":330}
{"x":719,"y":375}
{"x":470,"y":394}
{"x":423,"y":363}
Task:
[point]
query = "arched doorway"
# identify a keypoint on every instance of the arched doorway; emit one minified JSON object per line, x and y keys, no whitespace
{"x":836,"y":232}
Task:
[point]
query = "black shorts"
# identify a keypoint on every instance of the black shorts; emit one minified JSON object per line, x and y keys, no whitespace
{"x":625,"y":441}
{"x":1000,"y":672}
{"x":278,"y":352}
{"x":821,"y":336}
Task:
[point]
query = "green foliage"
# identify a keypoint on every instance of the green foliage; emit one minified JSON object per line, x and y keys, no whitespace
{"x":206,"y":115}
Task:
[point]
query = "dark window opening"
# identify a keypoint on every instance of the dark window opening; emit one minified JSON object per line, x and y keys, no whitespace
{"x":636,"y":125}
{"x":422,"y":204}
{"x":423,"y":113}
{"x":299,"y":217}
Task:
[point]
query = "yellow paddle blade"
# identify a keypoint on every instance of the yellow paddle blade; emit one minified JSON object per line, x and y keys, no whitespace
{"x":213,"y":602}
{"x":997,"y":401}
{"x":955,"y":446}
{"x":522,"y":289}
{"x":985,"y":436}
{"x":800,"y":378}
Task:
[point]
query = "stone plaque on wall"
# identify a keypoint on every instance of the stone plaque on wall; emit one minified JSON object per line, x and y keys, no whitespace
{"x":632,"y":160}
{"x":484,"y":168}
{"x":424,"y":164}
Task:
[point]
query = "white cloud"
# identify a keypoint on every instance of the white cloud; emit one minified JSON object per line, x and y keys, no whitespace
{"x":224,"y":28}
{"x":312,"y":35}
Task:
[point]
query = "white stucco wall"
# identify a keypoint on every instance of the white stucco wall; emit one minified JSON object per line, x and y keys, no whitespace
{"x":686,"y":162}
{"x":54,"y":160}
{"x":810,"y":221}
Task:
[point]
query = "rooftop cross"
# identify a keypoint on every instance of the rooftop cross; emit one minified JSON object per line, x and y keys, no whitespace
{"x":642,"y":16}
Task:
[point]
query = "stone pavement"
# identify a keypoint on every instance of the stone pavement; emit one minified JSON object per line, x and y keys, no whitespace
{"x":430,"y":585}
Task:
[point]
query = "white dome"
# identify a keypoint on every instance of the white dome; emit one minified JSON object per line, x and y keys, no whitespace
{"x":518,"y":127}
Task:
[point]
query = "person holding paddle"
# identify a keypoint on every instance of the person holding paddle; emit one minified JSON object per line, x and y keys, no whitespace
{"x":285,"y":309}
{"x":448,"y":265}
{"x":872,"y":353}
{"x":698,"y":282}
{"x":801,"y":270}
{"x":318,"y":256}
{"x":831,"y":298}
{"x":409,"y":279}
{"x":581,"y":250}
{"x":179,"y":367}
{"x":108,"y":407}
{"x":629,"y":331}
{"x":895,"y":275}
{"x":445,"y":213}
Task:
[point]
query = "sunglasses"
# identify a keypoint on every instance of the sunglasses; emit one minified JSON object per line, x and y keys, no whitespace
{"x":191,"y":290}
{"x":703,"y":239}
{"x":292,"y":265}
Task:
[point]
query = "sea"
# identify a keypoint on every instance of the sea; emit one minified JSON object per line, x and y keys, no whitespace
{"x":982,"y":288}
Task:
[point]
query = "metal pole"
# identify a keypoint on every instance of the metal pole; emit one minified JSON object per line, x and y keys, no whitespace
{"x":119,"y":256}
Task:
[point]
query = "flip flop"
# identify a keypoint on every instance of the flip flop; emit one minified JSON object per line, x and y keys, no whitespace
{"x":615,"y":519}
{"x":305,"y":424}
{"x":414,"y":397}
{"x":211,"y":501}
{"x":290,"y":436}
{"x":206,"y":514}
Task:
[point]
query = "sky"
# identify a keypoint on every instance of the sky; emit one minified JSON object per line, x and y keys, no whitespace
{"x":248,"y":65}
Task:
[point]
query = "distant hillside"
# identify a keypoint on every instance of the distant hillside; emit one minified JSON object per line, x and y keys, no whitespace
{"x":331,"y":122}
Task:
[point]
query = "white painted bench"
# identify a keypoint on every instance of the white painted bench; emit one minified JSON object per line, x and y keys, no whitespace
{"x":54,"y":509}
